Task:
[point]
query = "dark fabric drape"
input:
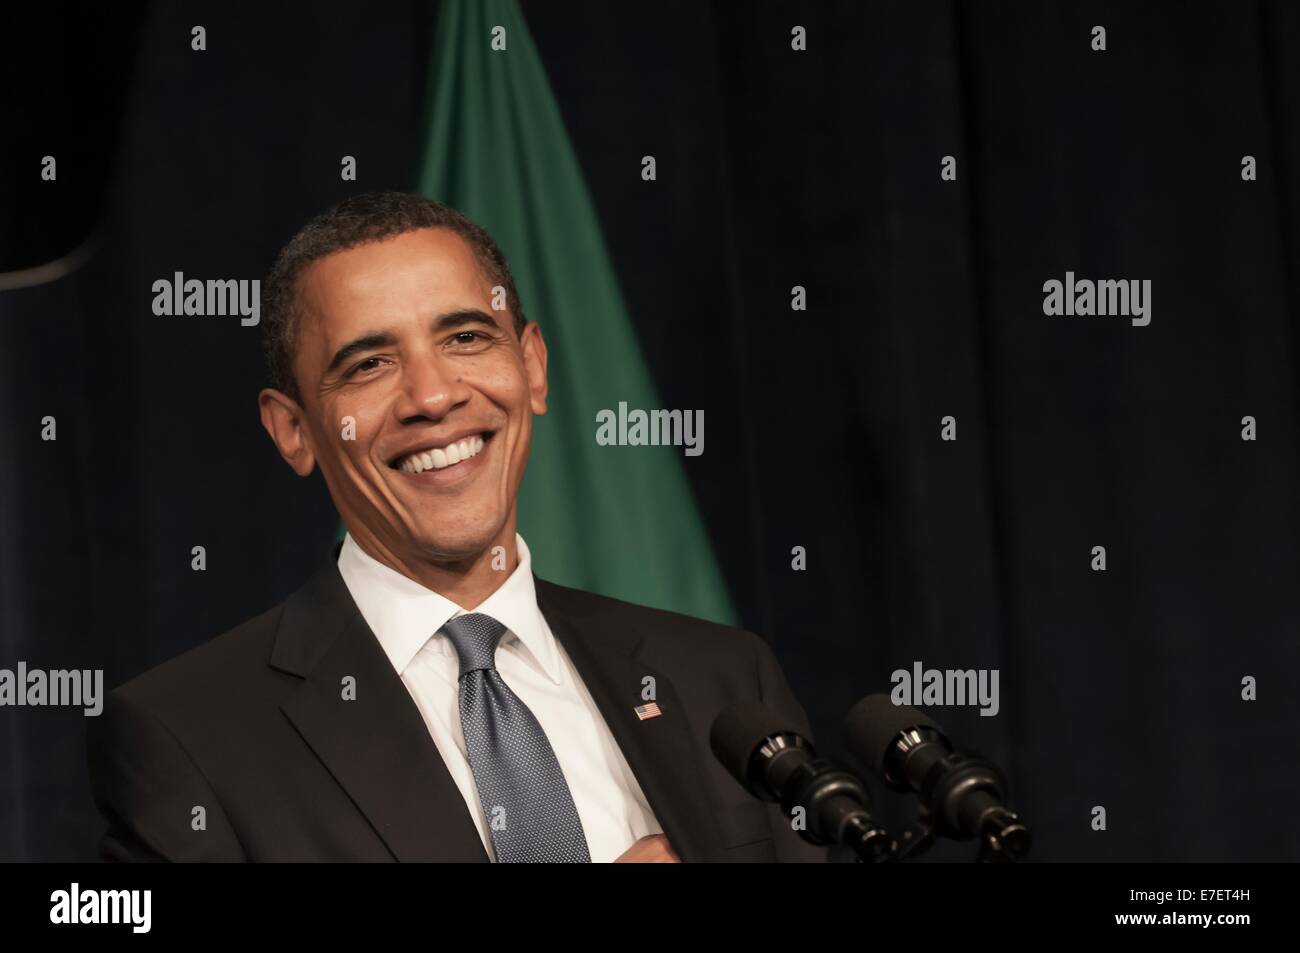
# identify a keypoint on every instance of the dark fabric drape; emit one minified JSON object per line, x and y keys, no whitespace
{"x":1119,"y":689}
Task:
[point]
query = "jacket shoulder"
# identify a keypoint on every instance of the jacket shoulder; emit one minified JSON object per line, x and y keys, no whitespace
{"x":674,"y":629}
{"x":209,"y":670}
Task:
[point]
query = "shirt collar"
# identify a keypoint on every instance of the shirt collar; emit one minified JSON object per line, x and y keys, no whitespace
{"x":404,"y":615}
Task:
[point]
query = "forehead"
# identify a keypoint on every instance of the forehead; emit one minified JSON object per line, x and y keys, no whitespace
{"x":418,"y":271}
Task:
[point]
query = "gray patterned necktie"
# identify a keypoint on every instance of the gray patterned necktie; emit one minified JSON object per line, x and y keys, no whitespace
{"x":525,"y":798}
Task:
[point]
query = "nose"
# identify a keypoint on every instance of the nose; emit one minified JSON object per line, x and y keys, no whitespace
{"x":431,"y":388}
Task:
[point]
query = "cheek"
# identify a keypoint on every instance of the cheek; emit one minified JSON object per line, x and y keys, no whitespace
{"x":351,"y":427}
{"x":505,"y":385}
{"x":522,"y":447}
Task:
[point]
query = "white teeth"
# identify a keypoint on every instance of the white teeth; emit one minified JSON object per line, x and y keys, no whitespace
{"x":442,"y":457}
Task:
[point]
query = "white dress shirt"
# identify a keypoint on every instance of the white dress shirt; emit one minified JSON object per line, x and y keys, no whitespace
{"x":406,"y":618}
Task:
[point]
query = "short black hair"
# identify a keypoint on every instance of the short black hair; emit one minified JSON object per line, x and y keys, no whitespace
{"x":371,"y":217}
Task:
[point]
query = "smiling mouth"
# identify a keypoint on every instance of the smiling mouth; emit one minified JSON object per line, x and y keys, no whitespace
{"x":440,"y":458}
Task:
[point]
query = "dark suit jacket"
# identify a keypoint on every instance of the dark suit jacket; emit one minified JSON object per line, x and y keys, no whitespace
{"x":253,"y":727}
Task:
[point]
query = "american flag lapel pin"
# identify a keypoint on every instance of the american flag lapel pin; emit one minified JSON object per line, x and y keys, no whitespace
{"x":648,"y":711}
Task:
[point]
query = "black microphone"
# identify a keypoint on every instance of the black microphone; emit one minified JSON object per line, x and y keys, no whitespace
{"x":962,"y":795}
{"x":763,"y":751}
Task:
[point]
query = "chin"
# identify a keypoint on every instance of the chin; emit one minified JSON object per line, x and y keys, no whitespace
{"x":464,"y":543}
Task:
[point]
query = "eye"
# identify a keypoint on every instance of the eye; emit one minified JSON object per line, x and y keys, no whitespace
{"x":469,"y":342}
{"x":369,"y":364}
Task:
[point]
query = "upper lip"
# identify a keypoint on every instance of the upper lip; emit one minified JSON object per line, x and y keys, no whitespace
{"x":431,"y":443}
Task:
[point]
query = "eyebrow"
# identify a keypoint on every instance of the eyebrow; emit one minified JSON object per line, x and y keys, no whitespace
{"x":380,"y":339}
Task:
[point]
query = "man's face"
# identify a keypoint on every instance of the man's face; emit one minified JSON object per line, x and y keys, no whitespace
{"x":400,"y":336}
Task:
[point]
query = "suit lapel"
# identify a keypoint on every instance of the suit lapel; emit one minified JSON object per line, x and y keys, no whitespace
{"x":659,"y":750}
{"x":376,"y":746}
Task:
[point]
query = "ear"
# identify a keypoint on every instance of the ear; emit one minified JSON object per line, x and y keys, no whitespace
{"x":285,"y":421}
{"x":535,"y":365}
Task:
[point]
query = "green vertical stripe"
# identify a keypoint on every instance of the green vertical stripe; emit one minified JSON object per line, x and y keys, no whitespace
{"x":616,"y":520}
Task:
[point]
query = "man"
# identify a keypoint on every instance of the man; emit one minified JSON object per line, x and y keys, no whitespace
{"x":424,"y":696}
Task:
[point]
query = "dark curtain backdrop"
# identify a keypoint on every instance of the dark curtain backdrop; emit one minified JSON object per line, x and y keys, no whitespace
{"x":1119,"y":689}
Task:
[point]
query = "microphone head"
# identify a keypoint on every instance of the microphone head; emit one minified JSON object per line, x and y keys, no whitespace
{"x":873,"y":723}
{"x":740,"y":730}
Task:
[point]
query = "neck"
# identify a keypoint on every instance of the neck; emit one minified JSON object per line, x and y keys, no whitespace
{"x":465,"y":580}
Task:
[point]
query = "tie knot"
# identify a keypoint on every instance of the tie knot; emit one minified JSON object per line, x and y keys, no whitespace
{"x":476,"y":637}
